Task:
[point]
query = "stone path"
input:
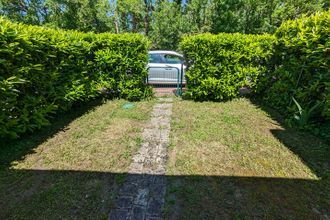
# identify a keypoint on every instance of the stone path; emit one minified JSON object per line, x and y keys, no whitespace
{"x":142,"y":196}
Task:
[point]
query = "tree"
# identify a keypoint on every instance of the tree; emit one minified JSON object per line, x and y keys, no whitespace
{"x":83,"y":15}
{"x":132,"y":14}
{"x":27,"y":11}
{"x":225,"y":17}
{"x":168,"y":26}
{"x":164,"y":21}
{"x":198,"y":15}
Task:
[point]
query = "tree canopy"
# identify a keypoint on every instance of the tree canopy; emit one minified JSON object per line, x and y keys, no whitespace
{"x":163,"y":21}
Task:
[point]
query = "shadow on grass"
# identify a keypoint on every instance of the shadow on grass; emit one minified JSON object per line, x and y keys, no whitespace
{"x":51,"y":194}
{"x":61,"y":194}
{"x":12,"y":150}
{"x":314,"y":151}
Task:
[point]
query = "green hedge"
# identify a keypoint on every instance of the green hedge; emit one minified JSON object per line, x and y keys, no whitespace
{"x":303,"y":69}
{"x":43,"y":71}
{"x":287,"y":70}
{"x":221,"y":64}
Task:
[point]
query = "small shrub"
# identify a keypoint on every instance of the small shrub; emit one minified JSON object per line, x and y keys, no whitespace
{"x":302,"y":118}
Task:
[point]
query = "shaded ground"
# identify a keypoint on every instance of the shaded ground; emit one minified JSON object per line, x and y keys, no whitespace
{"x":38,"y":174}
{"x":205,"y":197}
{"x":233,"y":161}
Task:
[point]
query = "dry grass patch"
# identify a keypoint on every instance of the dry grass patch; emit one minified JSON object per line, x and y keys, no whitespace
{"x":232,"y":160}
{"x":69,"y":169}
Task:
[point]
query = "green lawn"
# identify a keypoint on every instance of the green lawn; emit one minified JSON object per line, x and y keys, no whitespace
{"x":233,"y":160}
{"x":229,"y":160}
{"x":68,"y":170}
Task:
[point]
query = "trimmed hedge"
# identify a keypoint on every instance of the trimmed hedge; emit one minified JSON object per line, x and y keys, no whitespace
{"x":303,"y":69}
{"x":218,"y":65}
{"x":289,"y":70}
{"x":43,"y":71}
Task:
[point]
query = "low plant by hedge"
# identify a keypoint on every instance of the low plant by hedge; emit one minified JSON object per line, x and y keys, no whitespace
{"x":221,"y":64}
{"x":302,"y":75}
{"x":43,"y":71}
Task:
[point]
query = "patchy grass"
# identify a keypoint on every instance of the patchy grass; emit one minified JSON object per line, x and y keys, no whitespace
{"x":229,"y":160}
{"x":233,"y":160}
{"x":67,"y":171}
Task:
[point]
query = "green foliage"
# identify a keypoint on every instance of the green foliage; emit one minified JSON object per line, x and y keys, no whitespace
{"x":221,"y":64}
{"x":163,"y":21}
{"x":130,"y":15}
{"x":302,"y":119}
{"x":44,"y":70}
{"x":83,"y":15}
{"x":29,"y":12}
{"x":167,"y":26}
{"x":303,"y":64}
